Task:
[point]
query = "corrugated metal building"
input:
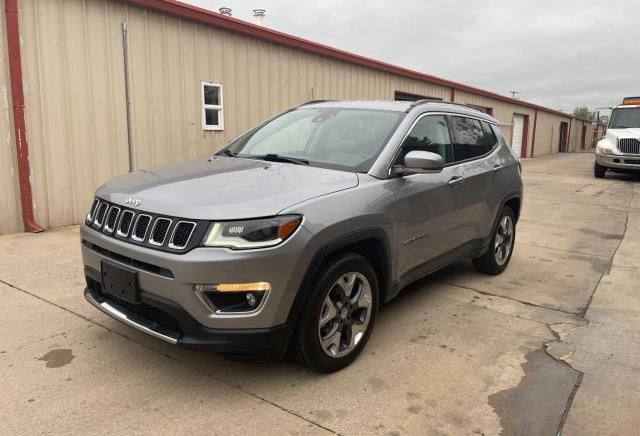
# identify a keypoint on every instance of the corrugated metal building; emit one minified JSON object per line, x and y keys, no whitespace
{"x":74,"y":85}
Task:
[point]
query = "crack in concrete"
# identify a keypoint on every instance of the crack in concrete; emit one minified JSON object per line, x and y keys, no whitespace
{"x":581,"y":253}
{"x":558,"y":334}
{"x":607,"y":271}
{"x":527,"y":303}
{"x":154,"y":350}
{"x":581,"y":322}
{"x":567,"y":407}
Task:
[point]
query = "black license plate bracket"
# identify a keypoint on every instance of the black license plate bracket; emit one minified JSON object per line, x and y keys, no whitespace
{"x":120,"y":281}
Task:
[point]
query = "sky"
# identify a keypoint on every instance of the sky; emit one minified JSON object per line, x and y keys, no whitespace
{"x":560,"y":54}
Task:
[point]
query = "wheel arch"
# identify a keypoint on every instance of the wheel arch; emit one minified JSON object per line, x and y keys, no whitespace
{"x":514,"y":201}
{"x":371,"y":243}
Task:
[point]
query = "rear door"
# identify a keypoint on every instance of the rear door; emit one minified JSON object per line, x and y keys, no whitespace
{"x":478,"y":196}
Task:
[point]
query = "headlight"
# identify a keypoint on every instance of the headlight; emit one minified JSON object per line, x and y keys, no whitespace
{"x":603,"y":149}
{"x":242,"y":235}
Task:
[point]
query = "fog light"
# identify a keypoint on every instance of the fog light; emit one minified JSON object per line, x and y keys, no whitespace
{"x":232,"y":297}
{"x":251,"y":299}
{"x":233,"y":287}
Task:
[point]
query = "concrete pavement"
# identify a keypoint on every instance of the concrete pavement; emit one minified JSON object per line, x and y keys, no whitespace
{"x":549,"y":345}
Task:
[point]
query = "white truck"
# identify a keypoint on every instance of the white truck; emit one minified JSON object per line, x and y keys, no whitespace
{"x":619,"y":150}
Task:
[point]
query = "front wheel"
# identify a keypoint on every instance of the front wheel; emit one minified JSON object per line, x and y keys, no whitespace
{"x":497,"y":257}
{"x":599,"y":171}
{"x":339,"y":315}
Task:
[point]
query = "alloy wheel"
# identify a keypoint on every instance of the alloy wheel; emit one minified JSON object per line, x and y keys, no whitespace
{"x":345,"y":314}
{"x":504,"y":240}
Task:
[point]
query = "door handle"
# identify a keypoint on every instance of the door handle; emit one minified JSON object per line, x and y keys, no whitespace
{"x":456,"y":181}
{"x":497,"y":169}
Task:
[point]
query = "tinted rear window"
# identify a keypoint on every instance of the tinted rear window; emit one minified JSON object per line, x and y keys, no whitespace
{"x":473,"y":138}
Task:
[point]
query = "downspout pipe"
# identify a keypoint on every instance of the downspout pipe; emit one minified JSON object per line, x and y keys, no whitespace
{"x":19,"y":126}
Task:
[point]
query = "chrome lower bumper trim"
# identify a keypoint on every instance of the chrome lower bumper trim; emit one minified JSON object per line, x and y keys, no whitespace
{"x":124,"y":318}
{"x":607,"y":160}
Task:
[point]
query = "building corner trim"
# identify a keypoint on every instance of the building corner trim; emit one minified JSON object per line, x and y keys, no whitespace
{"x":19,"y":125}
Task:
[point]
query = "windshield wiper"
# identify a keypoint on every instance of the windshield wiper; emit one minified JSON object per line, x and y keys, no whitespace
{"x":279,"y":158}
{"x":227,"y":152}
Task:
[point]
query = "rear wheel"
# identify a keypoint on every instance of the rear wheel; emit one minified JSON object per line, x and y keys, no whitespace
{"x":599,"y":171}
{"x":339,"y":315}
{"x":497,"y":257}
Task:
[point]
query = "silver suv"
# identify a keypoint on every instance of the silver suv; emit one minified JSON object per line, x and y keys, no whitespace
{"x":294,"y":234}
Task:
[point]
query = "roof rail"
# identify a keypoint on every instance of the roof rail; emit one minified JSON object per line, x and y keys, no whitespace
{"x":424,"y":101}
{"x":313,"y":101}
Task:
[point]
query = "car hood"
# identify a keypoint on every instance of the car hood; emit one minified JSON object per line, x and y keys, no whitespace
{"x":223,"y":188}
{"x":615,"y":134}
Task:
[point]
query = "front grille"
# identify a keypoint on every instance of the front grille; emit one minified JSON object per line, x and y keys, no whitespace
{"x":92,"y":211}
{"x":112,"y":219}
{"x":629,"y":145}
{"x":102,"y":211}
{"x":141,"y":227}
{"x":125,"y":223}
{"x":159,"y":232}
{"x":181,"y":234}
{"x":147,"y":312}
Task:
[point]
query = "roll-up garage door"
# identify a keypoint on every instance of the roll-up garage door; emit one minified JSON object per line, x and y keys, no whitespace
{"x":518,"y":130}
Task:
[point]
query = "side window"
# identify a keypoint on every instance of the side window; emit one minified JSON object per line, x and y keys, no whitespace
{"x":489,"y":140}
{"x":429,"y":134}
{"x":473,"y":138}
{"x":498,"y":133}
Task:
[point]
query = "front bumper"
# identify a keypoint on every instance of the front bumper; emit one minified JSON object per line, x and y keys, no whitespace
{"x":166,"y":283}
{"x":148,"y":317}
{"x":619,"y":161}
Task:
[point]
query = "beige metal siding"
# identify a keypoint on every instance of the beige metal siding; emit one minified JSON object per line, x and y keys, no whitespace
{"x":10,"y":217}
{"x":575,"y":143}
{"x":75,"y":97}
{"x":548,"y":133}
{"x":73,"y":62}
{"x":73,"y":73}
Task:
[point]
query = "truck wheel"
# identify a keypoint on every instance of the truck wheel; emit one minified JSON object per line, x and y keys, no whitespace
{"x":339,"y":315}
{"x":599,"y":171}
{"x":497,"y":257}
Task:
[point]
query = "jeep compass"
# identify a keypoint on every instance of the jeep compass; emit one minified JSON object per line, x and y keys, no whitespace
{"x":293,"y":235}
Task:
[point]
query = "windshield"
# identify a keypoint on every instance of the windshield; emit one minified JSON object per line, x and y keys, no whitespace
{"x":623,"y":118}
{"x":337,"y":138}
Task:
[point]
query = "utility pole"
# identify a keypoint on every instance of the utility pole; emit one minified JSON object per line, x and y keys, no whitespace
{"x":513,"y":94}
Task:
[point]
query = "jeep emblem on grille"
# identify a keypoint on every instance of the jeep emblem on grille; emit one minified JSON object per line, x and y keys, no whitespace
{"x":133,"y":201}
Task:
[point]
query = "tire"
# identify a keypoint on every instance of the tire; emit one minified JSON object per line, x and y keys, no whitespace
{"x":350,"y":323}
{"x":599,"y":171}
{"x":495,"y":260}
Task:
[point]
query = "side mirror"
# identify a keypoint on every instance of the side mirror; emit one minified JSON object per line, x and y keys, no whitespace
{"x":419,"y":162}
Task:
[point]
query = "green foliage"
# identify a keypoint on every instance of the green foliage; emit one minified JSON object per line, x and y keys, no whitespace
{"x":583,"y":112}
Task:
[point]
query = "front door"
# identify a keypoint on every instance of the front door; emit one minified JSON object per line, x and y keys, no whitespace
{"x":427,"y":219}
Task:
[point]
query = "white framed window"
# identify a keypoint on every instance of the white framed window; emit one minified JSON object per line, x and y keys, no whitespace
{"x":212,"y":112}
